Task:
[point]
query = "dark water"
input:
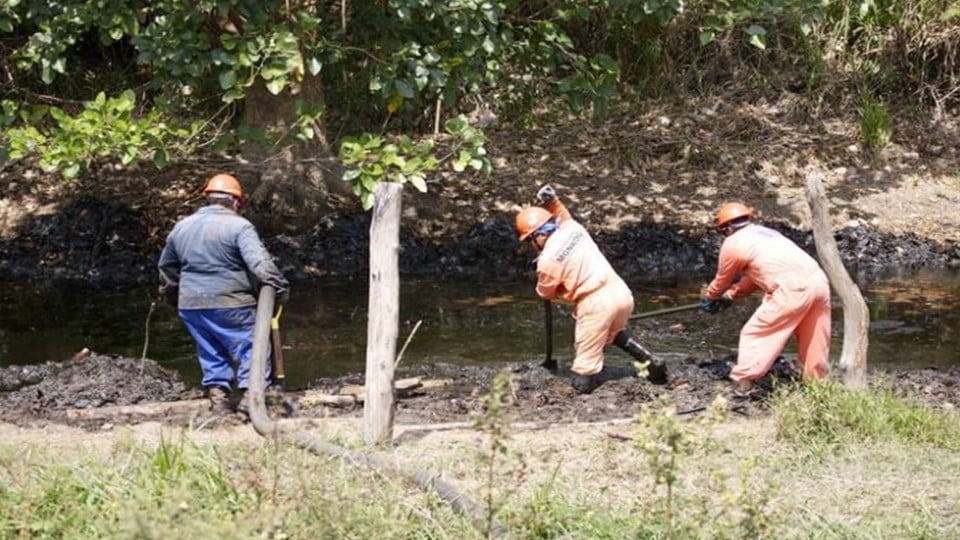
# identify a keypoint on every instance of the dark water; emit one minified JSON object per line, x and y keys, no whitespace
{"x":915,"y":322}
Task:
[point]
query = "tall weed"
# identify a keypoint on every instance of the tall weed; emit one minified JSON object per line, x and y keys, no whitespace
{"x":875,"y":123}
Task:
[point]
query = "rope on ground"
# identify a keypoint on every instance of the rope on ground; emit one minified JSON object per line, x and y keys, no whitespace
{"x":266,"y":427}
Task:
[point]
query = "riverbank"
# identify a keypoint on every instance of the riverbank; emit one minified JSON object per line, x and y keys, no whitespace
{"x":646,"y":183}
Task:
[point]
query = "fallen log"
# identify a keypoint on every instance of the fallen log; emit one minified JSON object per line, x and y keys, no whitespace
{"x":141,"y":409}
{"x":403,"y":385}
{"x":352,"y":395}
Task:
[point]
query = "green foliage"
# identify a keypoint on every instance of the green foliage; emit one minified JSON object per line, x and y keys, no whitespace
{"x":373,"y":159}
{"x":875,"y":122}
{"x":666,"y":440}
{"x":394,"y":66}
{"x":106,"y":128}
{"x":827,"y":414}
{"x":494,"y":422}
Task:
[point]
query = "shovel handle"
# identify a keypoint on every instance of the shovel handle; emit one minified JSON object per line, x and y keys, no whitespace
{"x":548,"y":360}
{"x":665,"y":311}
{"x":278,"y":372}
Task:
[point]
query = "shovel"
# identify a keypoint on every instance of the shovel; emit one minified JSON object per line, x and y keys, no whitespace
{"x":548,"y":361}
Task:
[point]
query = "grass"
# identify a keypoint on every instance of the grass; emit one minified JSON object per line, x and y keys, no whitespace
{"x":830,"y":414}
{"x":875,"y":123}
{"x":890,"y":472}
{"x":180,"y":490}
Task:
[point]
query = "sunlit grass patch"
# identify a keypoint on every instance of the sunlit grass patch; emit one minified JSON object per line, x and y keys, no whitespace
{"x":828,"y":413}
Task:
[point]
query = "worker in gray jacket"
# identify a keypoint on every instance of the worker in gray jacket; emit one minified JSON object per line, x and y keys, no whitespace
{"x":210,"y":269}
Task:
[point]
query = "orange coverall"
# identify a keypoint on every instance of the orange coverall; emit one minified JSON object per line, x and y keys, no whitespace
{"x":571,"y":268}
{"x":796,"y":301}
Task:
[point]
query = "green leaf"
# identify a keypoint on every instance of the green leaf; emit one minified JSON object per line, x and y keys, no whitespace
{"x":607,"y":63}
{"x":757,"y":42}
{"x":707,"y":37}
{"x":161,"y":158}
{"x":57,"y":114}
{"x":275,"y":86}
{"x":228,"y":79}
{"x":366,"y":199}
{"x":418,"y":182}
{"x":456,"y":125}
{"x":756,"y":30}
{"x":351,"y":174}
{"x":403,"y":88}
{"x":71,"y":171}
{"x":368,"y":183}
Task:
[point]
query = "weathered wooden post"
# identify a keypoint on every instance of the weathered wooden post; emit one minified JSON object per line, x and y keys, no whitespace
{"x":856,"y":316}
{"x":384,"y":313}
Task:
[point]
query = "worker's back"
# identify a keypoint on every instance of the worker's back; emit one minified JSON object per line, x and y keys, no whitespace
{"x":770,"y":259}
{"x":213,"y":246}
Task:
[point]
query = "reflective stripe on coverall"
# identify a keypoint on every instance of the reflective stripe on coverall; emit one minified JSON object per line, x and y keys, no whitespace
{"x":796,"y":301}
{"x":572,"y":268}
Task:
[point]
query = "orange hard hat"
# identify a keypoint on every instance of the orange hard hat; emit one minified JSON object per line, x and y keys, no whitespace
{"x":224,"y":183}
{"x":732,"y":211}
{"x":530,"y":219}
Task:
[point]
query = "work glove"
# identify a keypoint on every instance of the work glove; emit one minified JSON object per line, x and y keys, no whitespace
{"x":546,"y":195}
{"x":716,"y":306}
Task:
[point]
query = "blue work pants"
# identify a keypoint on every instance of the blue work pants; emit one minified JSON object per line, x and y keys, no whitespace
{"x":224,"y":337}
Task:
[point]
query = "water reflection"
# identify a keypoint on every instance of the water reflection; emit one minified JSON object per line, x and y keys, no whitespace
{"x":914,"y":322}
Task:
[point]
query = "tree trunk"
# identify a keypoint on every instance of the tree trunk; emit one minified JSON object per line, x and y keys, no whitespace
{"x":384,"y":313}
{"x":856,"y":316}
{"x":296,"y":182}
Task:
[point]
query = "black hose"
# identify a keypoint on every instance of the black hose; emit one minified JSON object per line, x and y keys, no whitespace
{"x":266,"y":427}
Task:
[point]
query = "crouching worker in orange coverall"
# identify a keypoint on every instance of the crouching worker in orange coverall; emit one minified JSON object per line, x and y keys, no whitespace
{"x":796,"y":298}
{"x":570,"y":267}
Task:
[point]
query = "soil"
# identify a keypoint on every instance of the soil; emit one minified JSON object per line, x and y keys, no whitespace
{"x":43,"y":392}
{"x":35,"y":396}
{"x":646,"y":183}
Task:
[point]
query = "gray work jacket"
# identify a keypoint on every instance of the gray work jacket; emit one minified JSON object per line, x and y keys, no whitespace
{"x":216,"y":258}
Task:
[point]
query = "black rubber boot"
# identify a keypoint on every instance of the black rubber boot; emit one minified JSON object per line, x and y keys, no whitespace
{"x":656,"y":370}
{"x":584,"y":384}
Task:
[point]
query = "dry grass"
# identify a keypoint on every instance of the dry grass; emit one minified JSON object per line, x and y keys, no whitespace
{"x":588,"y":480}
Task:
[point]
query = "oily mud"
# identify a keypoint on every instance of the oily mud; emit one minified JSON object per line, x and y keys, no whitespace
{"x":541,"y":395}
{"x":106,"y":244}
{"x":37,"y":393}
{"x":34,"y":395}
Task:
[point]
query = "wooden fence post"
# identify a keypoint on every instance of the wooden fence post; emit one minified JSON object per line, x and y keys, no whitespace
{"x":856,"y":316}
{"x":384,"y":312}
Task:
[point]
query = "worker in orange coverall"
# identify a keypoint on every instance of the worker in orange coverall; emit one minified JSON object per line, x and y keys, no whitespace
{"x":570,"y":267}
{"x":796,"y":297}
